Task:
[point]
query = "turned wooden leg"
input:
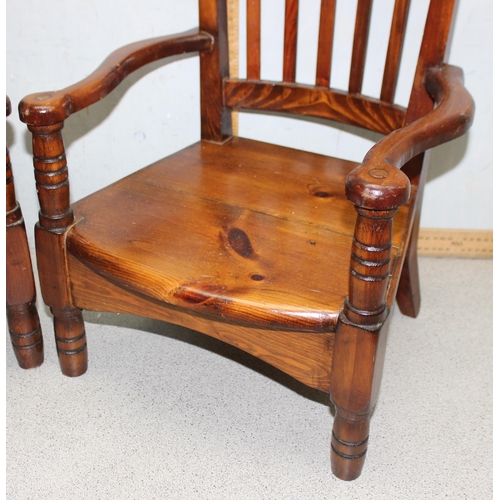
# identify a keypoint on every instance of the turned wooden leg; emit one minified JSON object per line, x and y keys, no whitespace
{"x":349,"y":444}
{"x":71,"y":342}
{"x":22,"y":315}
{"x":356,"y":375}
{"x":26,"y":334}
{"x":55,"y":217}
{"x":360,"y":339}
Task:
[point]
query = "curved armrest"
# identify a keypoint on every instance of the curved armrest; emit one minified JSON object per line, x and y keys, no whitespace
{"x":53,"y":107}
{"x":378,"y":184}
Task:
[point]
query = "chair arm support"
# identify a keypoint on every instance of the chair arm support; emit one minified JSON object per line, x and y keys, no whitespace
{"x":378,"y":184}
{"x":53,"y":107}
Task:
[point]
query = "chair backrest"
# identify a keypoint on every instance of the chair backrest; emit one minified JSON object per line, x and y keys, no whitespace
{"x":221,"y":93}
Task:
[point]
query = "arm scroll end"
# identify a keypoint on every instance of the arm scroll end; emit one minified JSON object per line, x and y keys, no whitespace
{"x":45,"y":108}
{"x":377,"y":185}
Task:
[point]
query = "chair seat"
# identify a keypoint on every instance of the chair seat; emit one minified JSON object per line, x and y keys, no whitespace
{"x":268,"y":228}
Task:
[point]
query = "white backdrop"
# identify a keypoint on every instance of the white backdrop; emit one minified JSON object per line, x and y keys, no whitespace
{"x":52,"y":44}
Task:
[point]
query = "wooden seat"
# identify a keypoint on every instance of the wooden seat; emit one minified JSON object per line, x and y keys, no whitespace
{"x":254,"y":216}
{"x":294,"y":257}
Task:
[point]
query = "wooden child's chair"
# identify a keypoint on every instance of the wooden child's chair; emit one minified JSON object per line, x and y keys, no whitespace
{"x":291,"y":256}
{"x":22,"y":315}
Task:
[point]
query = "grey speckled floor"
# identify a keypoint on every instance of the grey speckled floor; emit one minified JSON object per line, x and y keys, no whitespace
{"x":165,"y":413}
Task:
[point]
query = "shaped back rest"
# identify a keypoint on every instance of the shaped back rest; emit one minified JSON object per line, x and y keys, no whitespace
{"x":380,"y":114}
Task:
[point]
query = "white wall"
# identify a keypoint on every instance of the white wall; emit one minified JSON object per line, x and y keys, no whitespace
{"x":53,"y":44}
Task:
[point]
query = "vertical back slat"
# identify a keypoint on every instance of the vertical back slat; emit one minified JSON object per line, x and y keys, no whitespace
{"x":253,"y":39}
{"x":325,"y":43}
{"x":394,"y":50}
{"x":290,"y":49}
{"x":361,"y":30}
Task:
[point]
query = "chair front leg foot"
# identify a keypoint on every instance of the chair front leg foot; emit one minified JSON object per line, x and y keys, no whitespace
{"x":25,"y":334}
{"x":349,"y":444}
{"x":71,"y":342}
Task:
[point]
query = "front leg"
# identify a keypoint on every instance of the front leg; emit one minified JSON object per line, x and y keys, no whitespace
{"x":360,"y":342}
{"x":56,"y":216}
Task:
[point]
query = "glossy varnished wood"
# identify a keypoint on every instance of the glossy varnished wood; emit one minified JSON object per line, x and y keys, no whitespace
{"x":22,"y":315}
{"x":394,"y":50}
{"x":325,"y":43}
{"x":53,"y":107}
{"x":253,"y":39}
{"x":306,"y":356}
{"x":55,"y":216}
{"x":214,"y":67}
{"x":360,"y":45}
{"x":245,"y":205}
{"x":295,"y":258}
{"x":307,"y":100}
{"x":290,"y":42}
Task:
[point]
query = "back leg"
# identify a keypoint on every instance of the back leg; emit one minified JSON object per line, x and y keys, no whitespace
{"x":408,"y":295}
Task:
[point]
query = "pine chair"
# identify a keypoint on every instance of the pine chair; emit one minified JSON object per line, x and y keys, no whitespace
{"x":22,"y":315}
{"x":294,"y":257}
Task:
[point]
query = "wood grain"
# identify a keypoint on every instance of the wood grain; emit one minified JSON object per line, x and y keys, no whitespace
{"x":295,"y":258}
{"x":304,"y":356}
{"x":394,"y":50}
{"x":377,"y":183}
{"x":290,"y":43}
{"x":47,"y":108}
{"x":308,"y":100}
{"x":253,"y":40}
{"x":360,"y":45}
{"x":214,"y":66}
{"x":325,"y":43}
{"x":235,"y":222}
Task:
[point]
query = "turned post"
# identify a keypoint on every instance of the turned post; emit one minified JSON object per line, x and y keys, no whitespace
{"x":377,"y":190}
{"x":216,"y":123}
{"x":55,"y":217}
{"x":22,"y":315}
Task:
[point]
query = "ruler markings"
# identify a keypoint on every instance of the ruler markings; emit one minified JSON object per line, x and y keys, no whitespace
{"x":469,"y":243}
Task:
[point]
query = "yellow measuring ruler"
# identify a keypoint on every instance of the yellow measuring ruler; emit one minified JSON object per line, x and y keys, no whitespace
{"x":471,"y":243}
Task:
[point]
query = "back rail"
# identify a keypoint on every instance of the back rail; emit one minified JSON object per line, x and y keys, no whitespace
{"x":351,"y":107}
{"x":308,"y":100}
